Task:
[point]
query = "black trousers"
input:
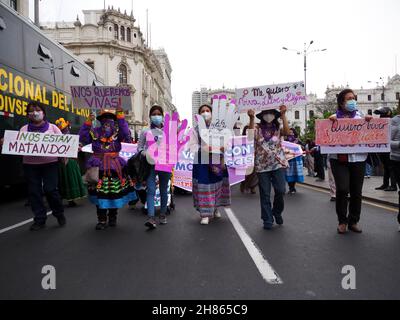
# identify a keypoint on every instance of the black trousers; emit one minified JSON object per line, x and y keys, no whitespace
{"x":102,"y":214}
{"x":396,"y":170}
{"x":319,"y":166}
{"x":349,"y":179}
{"x":388,"y":171}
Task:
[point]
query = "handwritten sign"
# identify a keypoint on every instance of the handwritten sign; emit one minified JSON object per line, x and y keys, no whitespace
{"x":356,"y":148}
{"x":291,"y":150}
{"x":40,"y":144}
{"x":102,"y":97}
{"x":271,"y":96}
{"x":352,"y":131}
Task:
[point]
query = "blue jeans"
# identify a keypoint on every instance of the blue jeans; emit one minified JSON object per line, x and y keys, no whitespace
{"x":277,"y":179}
{"x":164,"y":178}
{"x":368,"y":170}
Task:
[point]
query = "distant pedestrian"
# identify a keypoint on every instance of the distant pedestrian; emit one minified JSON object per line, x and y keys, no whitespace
{"x":270,"y":162}
{"x":348,"y":170}
{"x":309,"y":160}
{"x":318,"y":164}
{"x":395,"y":153}
{"x":294,"y":173}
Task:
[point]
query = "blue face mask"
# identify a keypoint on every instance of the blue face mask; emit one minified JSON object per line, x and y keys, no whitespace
{"x":351,"y":105}
{"x":156,"y":120}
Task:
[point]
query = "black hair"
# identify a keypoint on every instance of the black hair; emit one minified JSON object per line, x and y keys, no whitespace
{"x":156,"y":107}
{"x":204,"y":105}
{"x":341,"y":96}
{"x":35,"y":104}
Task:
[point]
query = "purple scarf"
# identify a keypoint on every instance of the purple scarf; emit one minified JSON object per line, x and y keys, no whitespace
{"x":268,"y":130}
{"x":42,"y":128}
{"x":343,"y":114}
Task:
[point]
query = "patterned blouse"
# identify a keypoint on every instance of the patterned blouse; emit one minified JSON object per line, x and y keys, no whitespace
{"x":269,"y":154}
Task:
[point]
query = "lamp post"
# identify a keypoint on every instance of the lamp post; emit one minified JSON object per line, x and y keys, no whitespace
{"x":306,"y":52}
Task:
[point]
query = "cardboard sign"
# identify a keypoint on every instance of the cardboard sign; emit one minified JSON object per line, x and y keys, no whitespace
{"x":271,"y":96}
{"x":40,"y":144}
{"x":352,"y":132}
{"x":356,"y":148}
{"x":102,"y":97}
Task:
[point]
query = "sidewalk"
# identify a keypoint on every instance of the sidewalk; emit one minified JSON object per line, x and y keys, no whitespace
{"x":390,"y":198}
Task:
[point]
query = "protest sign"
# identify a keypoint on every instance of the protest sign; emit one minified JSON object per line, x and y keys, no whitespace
{"x":40,"y":144}
{"x":292,"y":150}
{"x":271,"y":96}
{"x":352,"y":132}
{"x":356,"y":148}
{"x":128,"y":150}
{"x":102,"y":97}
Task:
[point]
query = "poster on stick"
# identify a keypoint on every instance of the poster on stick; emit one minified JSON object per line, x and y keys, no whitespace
{"x":352,"y":132}
{"x":40,"y":144}
{"x":271,"y":96}
{"x":102,"y":97}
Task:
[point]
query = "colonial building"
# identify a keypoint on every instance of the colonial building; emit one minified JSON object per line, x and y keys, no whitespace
{"x":112,"y":44}
{"x":21,"y":6}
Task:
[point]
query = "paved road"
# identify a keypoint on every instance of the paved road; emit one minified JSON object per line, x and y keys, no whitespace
{"x":184,"y":260}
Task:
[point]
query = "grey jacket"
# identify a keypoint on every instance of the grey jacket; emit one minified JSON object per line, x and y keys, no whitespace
{"x":395,"y":139}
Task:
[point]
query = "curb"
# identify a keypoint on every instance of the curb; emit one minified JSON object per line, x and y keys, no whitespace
{"x":388,"y":203}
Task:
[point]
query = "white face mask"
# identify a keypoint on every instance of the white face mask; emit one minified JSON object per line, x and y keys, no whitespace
{"x":206,"y":115}
{"x":269,"y":117}
{"x":37,"y":115}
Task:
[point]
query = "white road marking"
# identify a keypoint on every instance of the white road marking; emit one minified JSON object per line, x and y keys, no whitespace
{"x":266,"y":270}
{"x":19,"y":224}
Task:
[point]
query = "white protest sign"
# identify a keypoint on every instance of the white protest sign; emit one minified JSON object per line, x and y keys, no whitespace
{"x":40,"y":144}
{"x":102,"y":97}
{"x":357,"y":148}
{"x":271,"y":96}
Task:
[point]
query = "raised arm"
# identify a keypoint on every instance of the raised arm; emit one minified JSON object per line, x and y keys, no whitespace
{"x":124,"y":134}
{"x":85,"y":131}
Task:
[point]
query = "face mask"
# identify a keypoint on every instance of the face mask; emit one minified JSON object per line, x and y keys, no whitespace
{"x":351,"y":105}
{"x":269,"y":118}
{"x":156,"y":120}
{"x":37,"y":115}
{"x":206,"y":116}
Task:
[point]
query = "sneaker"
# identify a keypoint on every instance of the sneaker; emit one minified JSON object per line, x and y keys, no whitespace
{"x":342,"y":228}
{"x":151,"y":224}
{"x":333,"y":199}
{"x":37,"y":226}
{"x":279,"y":220}
{"x":390,"y":189}
{"x":61,"y":220}
{"x":163,"y":219}
{"x":355,"y":228}
{"x":101,"y":226}
{"x":217,"y":214}
{"x":267,"y":226}
{"x":205,"y":220}
{"x":112,"y":221}
{"x":382,"y":187}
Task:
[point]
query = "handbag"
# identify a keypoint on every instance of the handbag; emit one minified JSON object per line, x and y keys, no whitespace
{"x":91,"y":176}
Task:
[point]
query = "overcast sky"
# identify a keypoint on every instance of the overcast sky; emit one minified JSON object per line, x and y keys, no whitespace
{"x":239,"y":43}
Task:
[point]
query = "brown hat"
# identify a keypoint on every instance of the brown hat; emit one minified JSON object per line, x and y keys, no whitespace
{"x":262,"y":113}
{"x":107,"y":113}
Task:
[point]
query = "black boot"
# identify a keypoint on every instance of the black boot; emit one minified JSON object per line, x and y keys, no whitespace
{"x":112,"y":217}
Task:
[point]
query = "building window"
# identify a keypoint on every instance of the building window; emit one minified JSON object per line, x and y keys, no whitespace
{"x":134,"y":35}
{"x":13,"y":4}
{"x":370,"y":112}
{"x":311,"y":114}
{"x":369,"y":97}
{"x":122,"y":33}
{"x":116,"y":32}
{"x":123,"y":74}
{"x":90,"y":64}
{"x":297,"y":115}
{"x":128,"y":35}
{"x":397,"y":95}
{"x":383,"y":97}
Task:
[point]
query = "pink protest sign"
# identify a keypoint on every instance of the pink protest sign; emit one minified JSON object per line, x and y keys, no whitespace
{"x":352,"y":131}
{"x":292,"y":150}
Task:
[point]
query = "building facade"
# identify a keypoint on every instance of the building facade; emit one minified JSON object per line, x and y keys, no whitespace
{"x":111,"y":43}
{"x":21,"y":6}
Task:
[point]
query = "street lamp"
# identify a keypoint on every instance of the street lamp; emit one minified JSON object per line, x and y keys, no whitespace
{"x":52,"y":68}
{"x":306,"y":52}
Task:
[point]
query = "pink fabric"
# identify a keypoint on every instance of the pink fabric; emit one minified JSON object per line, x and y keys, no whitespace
{"x":41,"y":160}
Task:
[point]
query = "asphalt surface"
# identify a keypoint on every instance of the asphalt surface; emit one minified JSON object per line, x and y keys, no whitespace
{"x":185,"y":260}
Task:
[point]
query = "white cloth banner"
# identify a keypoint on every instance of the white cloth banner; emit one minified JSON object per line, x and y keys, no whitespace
{"x":357,"y":148}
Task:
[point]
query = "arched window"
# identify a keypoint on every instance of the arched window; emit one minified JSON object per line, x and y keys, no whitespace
{"x":297,"y":115}
{"x":128,"y":35}
{"x":123,"y":74}
{"x":122,"y":33}
{"x":311,"y":114}
{"x":116,"y":32}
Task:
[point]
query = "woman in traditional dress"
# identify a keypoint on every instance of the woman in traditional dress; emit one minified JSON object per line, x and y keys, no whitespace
{"x":294,"y":173}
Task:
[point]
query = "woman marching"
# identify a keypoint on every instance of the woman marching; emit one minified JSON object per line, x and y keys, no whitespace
{"x":113,"y":188}
{"x":270,"y":162}
{"x":348,"y":170}
{"x":71,"y":184}
{"x":211,"y":188}
{"x":294,"y":173}
{"x":156,"y":115}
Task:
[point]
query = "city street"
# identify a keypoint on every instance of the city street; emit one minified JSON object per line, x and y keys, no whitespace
{"x":185,"y":260}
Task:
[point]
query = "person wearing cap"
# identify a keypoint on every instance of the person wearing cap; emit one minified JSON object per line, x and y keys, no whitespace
{"x":395,"y":152}
{"x":114,"y":188}
{"x":70,"y":179}
{"x":156,"y":116}
{"x":270,"y":162}
{"x":42,"y":172}
{"x":210,"y":183}
{"x":348,"y":169}
{"x":388,"y":172}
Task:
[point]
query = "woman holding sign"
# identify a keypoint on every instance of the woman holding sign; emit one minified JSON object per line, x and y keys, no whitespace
{"x":110,"y":188}
{"x":42,"y":172}
{"x":348,"y":170}
{"x":270,"y":162}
